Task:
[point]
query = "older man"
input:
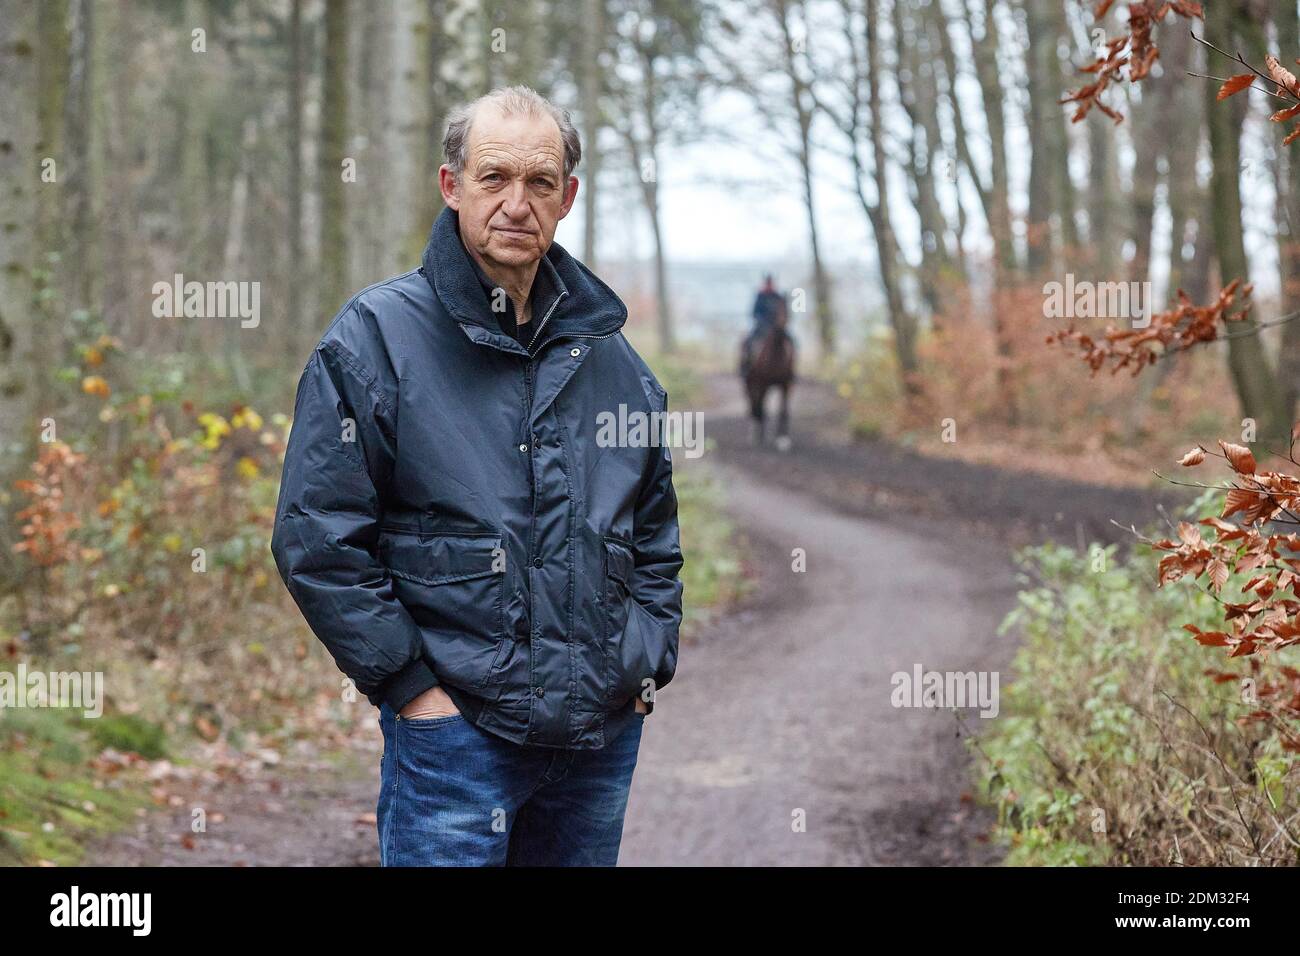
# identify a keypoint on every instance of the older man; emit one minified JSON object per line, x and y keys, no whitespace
{"x":502,"y":586}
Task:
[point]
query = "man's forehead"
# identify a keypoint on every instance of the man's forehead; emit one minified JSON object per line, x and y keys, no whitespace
{"x":516,"y":136}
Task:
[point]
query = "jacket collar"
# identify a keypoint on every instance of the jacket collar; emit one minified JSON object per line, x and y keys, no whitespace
{"x":585,"y":306}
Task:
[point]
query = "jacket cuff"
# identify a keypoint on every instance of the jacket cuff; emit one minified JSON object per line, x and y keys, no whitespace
{"x":407,"y":684}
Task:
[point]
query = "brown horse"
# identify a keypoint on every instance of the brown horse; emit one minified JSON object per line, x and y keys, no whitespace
{"x":771,"y":365}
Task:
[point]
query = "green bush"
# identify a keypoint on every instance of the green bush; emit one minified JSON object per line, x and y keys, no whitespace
{"x":1120,"y":739}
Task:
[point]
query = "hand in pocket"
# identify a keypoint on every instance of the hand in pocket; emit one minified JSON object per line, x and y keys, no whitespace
{"x":434,"y":702}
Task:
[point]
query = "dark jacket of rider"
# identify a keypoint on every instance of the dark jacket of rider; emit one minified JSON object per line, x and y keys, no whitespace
{"x":767,"y":306}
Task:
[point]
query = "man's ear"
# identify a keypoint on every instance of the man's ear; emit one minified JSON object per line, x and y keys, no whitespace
{"x":570,"y":194}
{"x":450,"y":187}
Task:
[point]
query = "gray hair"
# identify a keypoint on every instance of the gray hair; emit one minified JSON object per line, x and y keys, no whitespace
{"x":511,"y":101}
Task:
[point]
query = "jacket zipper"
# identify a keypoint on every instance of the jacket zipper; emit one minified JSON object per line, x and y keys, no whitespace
{"x":529,"y":438}
{"x":585,"y":335}
{"x":546,"y":318}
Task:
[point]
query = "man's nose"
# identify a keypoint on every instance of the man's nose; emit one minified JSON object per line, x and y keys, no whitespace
{"x":516,"y":201}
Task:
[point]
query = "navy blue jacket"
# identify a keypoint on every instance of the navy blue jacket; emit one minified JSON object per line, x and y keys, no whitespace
{"x":447,"y":515}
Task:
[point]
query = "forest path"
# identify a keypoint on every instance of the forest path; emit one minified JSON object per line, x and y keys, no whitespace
{"x":777,"y":743}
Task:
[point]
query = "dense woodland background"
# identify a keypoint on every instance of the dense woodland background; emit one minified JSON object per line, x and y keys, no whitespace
{"x":939,"y":121}
{"x":144,"y":138}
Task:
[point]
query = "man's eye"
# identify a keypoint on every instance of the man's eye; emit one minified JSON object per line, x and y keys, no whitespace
{"x":542,"y":183}
{"x":492,"y":178}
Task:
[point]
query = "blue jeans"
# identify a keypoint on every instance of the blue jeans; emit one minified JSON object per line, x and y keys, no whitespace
{"x":453,"y":795}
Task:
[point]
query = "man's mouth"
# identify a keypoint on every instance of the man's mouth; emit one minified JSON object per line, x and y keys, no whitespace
{"x":513,"y":231}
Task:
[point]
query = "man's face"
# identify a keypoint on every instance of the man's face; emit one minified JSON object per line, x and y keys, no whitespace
{"x":512,"y":193}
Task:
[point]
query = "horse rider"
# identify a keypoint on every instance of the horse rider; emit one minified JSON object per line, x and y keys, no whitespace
{"x":769,"y":310}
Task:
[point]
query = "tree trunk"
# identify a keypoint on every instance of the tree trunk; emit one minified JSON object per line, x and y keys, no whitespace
{"x":1154,"y":117}
{"x":81,"y":167}
{"x":297,"y":321}
{"x":667,"y":338}
{"x":939,"y":30}
{"x":1172,"y":118}
{"x":334,"y":284}
{"x":920,"y":100}
{"x":1044,"y":91}
{"x":50,"y":227}
{"x":1257,"y":386}
{"x":902,"y":321}
{"x":1187,"y":201}
{"x":491,"y":19}
{"x":1104,"y":202}
{"x":989,"y":76}
{"x":593,"y":33}
{"x":1288,"y":30}
{"x":432,"y":95}
{"x":1065,"y":199}
{"x":375,"y":213}
{"x":191,"y":130}
{"x":232,"y":259}
{"x":20,"y":187}
{"x":51,"y":91}
{"x":945,"y":74}
{"x":650,"y":192}
{"x":120,"y":294}
{"x":800,"y":100}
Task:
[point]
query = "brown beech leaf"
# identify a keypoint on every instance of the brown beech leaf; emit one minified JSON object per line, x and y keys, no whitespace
{"x":1239,"y":610}
{"x":1227,"y":532}
{"x":1281,"y":116}
{"x":1239,"y":457}
{"x":1171,"y":568}
{"x":1218,"y":572}
{"x":1134,"y":51}
{"x":1291,"y":137}
{"x":1174,"y":330}
{"x":1244,"y":649}
{"x":1193,"y":457}
{"x":1235,"y":84}
{"x":1189,"y":534}
{"x":1238,"y":499}
{"x":1208,"y":638}
{"x":1281,"y":75}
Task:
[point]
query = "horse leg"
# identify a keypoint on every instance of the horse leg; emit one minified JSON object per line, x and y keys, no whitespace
{"x":783,"y":421}
{"x":757,"y":396}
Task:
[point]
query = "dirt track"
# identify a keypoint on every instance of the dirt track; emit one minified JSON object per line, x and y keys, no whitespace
{"x":785,"y":705}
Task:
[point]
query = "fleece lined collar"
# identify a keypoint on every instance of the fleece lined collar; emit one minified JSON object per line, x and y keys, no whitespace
{"x":585,"y":307}
{"x":546,"y":291}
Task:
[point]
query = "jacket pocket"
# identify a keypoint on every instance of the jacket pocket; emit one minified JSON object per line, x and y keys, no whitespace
{"x":616,"y":597}
{"x":453,"y":585}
